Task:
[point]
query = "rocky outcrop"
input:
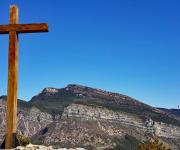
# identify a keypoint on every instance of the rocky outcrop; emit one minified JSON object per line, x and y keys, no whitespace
{"x":98,"y":113}
{"x":29,"y":122}
{"x":33,"y":120}
{"x":141,"y":129}
{"x":41,"y":147}
{"x":99,"y":128}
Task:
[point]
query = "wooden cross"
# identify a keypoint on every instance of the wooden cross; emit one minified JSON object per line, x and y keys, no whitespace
{"x":13,"y":29}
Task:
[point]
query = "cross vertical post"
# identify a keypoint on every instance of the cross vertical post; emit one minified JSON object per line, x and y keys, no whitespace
{"x":13,"y":29}
{"x":12,"y":80}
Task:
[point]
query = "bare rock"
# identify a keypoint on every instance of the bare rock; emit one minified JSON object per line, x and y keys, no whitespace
{"x":41,"y":147}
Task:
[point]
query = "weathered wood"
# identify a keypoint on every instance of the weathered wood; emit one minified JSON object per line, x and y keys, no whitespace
{"x":12,"y":80}
{"x":24,"y":28}
{"x":13,"y":29}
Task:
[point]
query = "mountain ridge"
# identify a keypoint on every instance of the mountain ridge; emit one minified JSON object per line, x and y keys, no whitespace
{"x":81,"y":116}
{"x":74,"y":93}
{"x":77,"y":90}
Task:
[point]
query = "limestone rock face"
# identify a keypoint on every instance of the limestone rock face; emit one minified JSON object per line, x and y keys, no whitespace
{"x":148,"y":126}
{"x":33,"y":120}
{"x":97,"y":128}
{"x":30,"y":120}
{"x":41,"y":147}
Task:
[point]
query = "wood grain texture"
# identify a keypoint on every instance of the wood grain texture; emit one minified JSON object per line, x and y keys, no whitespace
{"x":13,"y":29}
{"x":12,"y":81}
{"x":24,"y":28}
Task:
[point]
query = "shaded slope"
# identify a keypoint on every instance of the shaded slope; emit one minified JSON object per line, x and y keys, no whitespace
{"x":171,"y":111}
{"x":22,"y":104}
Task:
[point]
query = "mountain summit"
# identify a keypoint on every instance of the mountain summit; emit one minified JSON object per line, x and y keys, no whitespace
{"x":81,"y":116}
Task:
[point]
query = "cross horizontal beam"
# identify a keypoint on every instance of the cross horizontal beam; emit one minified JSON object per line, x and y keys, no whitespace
{"x":24,"y":28}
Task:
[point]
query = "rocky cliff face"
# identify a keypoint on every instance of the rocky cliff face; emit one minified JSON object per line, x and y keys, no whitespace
{"x":100,"y":128}
{"x":79,"y":116}
{"x":127,"y":120}
{"x":41,"y":147}
{"x":30,"y":120}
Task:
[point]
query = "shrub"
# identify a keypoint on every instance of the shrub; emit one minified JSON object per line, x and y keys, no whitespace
{"x":153,"y":145}
{"x":23,"y":141}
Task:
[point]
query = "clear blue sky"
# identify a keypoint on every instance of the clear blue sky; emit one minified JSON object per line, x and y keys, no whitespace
{"x":126,"y":46}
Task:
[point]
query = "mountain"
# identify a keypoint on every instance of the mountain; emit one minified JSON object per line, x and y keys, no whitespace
{"x":80,"y":116}
{"x":171,"y":111}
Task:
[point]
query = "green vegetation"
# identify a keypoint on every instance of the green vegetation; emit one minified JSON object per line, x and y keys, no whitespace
{"x":53,"y":104}
{"x":23,"y":141}
{"x":153,"y":145}
{"x":128,"y":143}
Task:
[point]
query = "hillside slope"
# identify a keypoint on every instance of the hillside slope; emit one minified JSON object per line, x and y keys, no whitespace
{"x":54,"y":101}
{"x":79,"y":116}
